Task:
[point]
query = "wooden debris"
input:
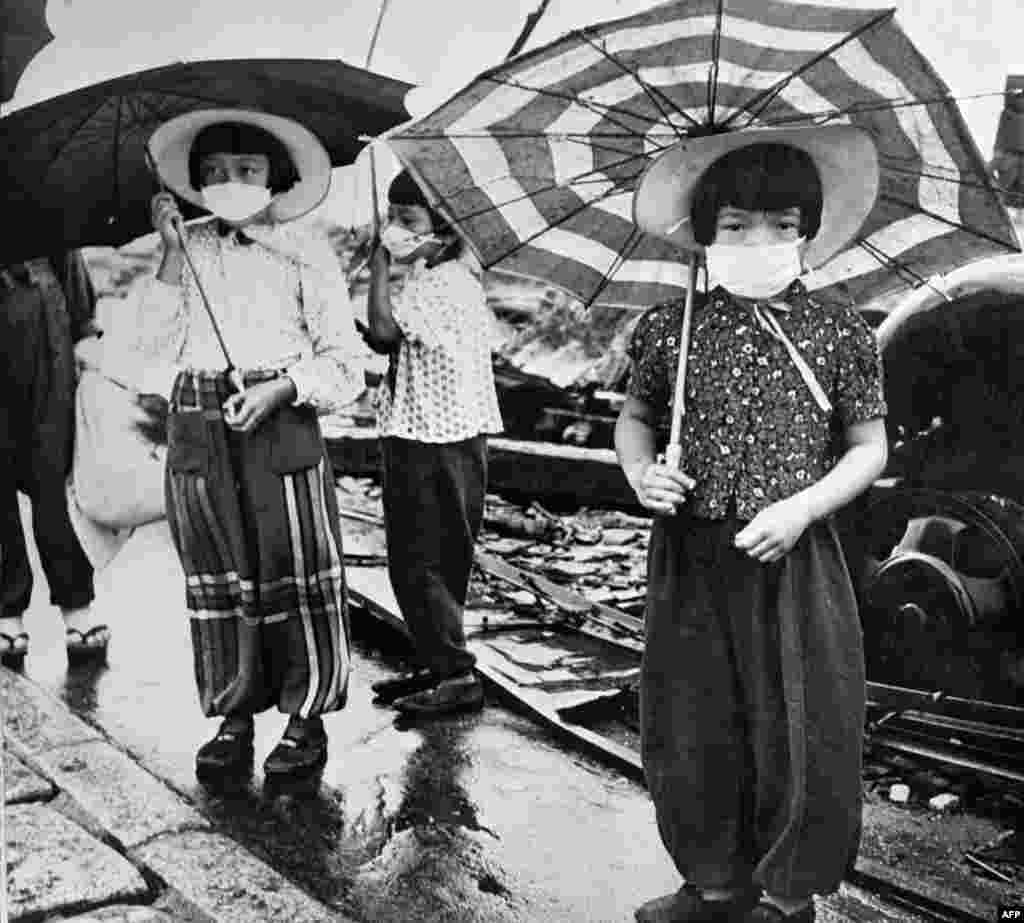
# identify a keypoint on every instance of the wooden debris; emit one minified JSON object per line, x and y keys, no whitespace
{"x":899,"y":793}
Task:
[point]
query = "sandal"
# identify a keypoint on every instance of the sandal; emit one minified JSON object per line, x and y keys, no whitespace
{"x":87,"y":645}
{"x":13,"y":649}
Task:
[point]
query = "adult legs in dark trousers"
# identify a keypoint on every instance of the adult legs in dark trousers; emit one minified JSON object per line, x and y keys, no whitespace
{"x":38,"y":381}
{"x":433,"y":509}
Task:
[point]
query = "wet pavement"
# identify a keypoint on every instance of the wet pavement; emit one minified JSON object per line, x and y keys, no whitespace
{"x":484,"y":817}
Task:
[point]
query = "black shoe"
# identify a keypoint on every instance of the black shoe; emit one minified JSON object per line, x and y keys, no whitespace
{"x":229,"y":751}
{"x":448,"y":696}
{"x":687,"y":905}
{"x":301,"y":751}
{"x":387,"y":690}
{"x":766,"y":912}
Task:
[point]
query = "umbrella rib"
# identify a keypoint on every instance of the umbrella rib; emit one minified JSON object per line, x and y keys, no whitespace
{"x":889,"y":262}
{"x":653,"y":93}
{"x":554,"y":224}
{"x":533,"y":136}
{"x":632,"y":242}
{"x":764,"y":99}
{"x":78,"y":127}
{"x":990,"y":186}
{"x":885,"y":105}
{"x":597,"y":108}
{"x":526,"y":196}
{"x":716,"y":51}
{"x":579,"y":177}
{"x":948,"y":221}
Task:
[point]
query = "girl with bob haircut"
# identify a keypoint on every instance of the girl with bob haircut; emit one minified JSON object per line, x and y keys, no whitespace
{"x":752,"y":685}
{"x":249,"y":488}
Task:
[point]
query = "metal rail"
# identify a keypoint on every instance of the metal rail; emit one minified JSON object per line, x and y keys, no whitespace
{"x":866,"y":876}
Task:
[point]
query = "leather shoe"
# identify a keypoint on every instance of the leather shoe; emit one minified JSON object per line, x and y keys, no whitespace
{"x":687,"y":905}
{"x":766,"y":912}
{"x":387,"y":690}
{"x":447,"y":696}
{"x":229,"y":750}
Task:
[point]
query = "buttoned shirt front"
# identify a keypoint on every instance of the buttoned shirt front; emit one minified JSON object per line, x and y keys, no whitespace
{"x":753,"y":432}
{"x":281,"y":304}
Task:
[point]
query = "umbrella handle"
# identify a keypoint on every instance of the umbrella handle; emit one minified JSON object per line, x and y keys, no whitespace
{"x":674,"y":449}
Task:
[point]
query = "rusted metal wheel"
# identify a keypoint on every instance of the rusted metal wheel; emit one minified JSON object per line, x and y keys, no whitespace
{"x":941,"y":589}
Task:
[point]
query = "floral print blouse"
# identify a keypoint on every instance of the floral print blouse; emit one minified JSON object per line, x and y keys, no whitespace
{"x":753,"y":433}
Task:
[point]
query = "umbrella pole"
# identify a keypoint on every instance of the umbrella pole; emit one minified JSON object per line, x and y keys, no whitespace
{"x":233,"y":375}
{"x":674,"y":450}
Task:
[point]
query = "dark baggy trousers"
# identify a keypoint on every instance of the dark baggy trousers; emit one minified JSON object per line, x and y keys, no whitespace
{"x":433,"y":509}
{"x":254,"y":519}
{"x":37,"y":380}
{"x":752,"y":708}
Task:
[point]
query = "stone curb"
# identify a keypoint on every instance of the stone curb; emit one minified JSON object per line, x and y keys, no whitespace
{"x":144,"y":819}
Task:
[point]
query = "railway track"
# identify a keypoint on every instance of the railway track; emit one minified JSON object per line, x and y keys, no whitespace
{"x":594,"y":707}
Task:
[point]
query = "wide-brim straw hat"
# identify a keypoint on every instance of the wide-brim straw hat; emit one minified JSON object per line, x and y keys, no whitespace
{"x":170,"y":144}
{"x":845,"y":157}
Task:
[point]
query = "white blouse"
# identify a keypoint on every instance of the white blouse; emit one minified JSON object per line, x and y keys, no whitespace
{"x":281,"y":303}
{"x":443,"y":379}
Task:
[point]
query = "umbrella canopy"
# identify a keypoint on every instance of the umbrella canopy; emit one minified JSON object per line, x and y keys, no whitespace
{"x":23,"y":34}
{"x":75,"y":170}
{"x":536,"y":161}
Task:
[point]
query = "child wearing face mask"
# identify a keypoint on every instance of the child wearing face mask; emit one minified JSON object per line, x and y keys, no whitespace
{"x":249,"y":488}
{"x":752,"y":684}
{"x":436,"y":408}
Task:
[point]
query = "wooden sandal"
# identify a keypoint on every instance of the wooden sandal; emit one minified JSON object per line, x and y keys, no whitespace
{"x":13,"y":649}
{"x":87,"y":645}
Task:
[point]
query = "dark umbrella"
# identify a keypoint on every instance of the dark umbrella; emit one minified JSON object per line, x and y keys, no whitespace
{"x":75,"y":170}
{"x":23,"y":34}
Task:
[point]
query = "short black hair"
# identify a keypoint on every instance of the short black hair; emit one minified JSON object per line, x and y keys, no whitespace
{"x":240,"y":138}
{"x":405,"y":191}
{"x":759,"y":177}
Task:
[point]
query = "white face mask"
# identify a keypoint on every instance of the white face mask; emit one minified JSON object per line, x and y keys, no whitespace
{"x":402,"y":243}
{"x":755,"y":271}
{"x":235,"y":202}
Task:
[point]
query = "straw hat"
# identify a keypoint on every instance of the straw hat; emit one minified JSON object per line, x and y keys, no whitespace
{"x":844,"y":155}
{"x":170,"y":144}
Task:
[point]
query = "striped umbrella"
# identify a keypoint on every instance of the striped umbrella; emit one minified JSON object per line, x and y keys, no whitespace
{"x":536,"y":161}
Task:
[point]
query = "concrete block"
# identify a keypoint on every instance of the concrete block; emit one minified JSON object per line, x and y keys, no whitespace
{"x":54,"y":865}
{"x":229,"y":884}
{"x":122,"y":913}
{"x":35,"y":721}
{"x":126,"y":801}
{"x":25,"y":784}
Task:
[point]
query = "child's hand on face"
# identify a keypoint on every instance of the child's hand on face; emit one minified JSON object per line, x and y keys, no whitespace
{"x":775,"y":530}
{"x":245,"y":411}
{"x":660,"y":488}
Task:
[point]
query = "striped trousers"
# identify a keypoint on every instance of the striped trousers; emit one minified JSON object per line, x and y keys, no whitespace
{"x":254,"y":519}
